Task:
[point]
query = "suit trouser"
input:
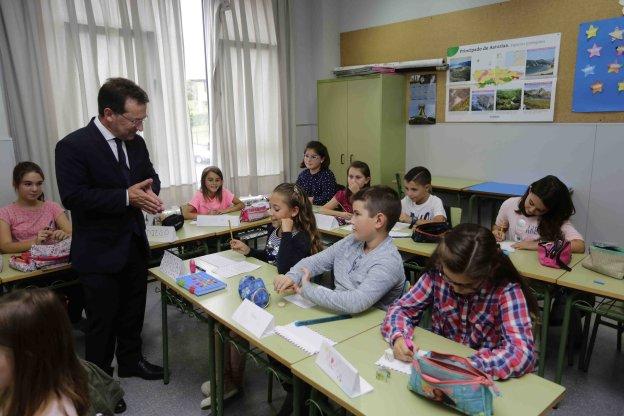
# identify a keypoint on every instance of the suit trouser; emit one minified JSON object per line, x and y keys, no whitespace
{"x":115,"y":305}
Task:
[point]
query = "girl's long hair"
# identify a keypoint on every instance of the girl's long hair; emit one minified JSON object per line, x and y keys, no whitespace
{"x":35,"y":326}
{"x":472,"y":250}
{"x":294,"y":196}
{"x":556,"y":198}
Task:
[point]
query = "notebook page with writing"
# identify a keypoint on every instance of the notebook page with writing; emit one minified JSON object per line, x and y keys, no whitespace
{"x":303,"y":337}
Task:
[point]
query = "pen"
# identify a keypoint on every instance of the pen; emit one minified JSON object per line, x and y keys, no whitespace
{"x":323,"y":320}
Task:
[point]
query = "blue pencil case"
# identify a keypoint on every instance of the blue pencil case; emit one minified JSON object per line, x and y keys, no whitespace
{"x":200,"y":283}
{"x":453,"y":381}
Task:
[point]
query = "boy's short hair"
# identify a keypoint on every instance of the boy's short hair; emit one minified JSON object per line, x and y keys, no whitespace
{"x":380,"y":199}
{"x":419,"y":174}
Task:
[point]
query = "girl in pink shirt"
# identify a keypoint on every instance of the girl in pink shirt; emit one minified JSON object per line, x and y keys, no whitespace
{"x":212,"y":198}
{"x":31,"y":219}
{"x":541,"y":214}
{"x":358,"y":177}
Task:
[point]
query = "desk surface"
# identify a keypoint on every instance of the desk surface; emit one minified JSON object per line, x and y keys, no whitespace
{"x":499,"y":189}
{"x":528,"y":395}
{"x":528,"y":265}
{"x":9,"y":275}
{"x":584,"y":280}
{"x":452,"y":184}
{"x":222,"y":304}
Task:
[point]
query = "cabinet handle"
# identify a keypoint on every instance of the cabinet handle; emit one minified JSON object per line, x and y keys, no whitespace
{"x":342,"y":158}
{"x":351,"y":158}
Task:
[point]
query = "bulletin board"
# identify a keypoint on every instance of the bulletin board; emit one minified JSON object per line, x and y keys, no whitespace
{"x":430,"y":37}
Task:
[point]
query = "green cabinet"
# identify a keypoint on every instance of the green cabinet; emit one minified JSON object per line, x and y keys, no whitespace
{"x":363,"y":118}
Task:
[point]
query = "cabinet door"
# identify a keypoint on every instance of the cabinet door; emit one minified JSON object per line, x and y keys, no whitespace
{"x":364,"y":116}
{"x":332,"y":123}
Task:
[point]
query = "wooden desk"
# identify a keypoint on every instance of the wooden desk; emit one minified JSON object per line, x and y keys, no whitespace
{"x":582,"y":281}
{"x":220,"y":306}
{"x":528,"y":395}
{"x":444,"y":183}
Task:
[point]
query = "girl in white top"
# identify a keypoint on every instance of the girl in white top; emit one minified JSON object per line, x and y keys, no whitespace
{"x":419,"y":206}
{"x":40,"y":374}
{"x":541,"y":214}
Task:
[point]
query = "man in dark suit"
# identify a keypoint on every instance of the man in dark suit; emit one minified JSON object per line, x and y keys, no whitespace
{"x":105,"y":178}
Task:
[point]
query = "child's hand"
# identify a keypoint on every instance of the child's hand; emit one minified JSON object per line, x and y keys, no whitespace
{"x":213,"y":212}
{"x":282,"y":283}
{"x":287,"y":225}
{"x":525,"y":245}
{"x":59,"y":235}
{"x":401,"y":352}
{"x":405,"y":218}
{"x":421,"y":221}
{"x":354,"y":188}
{"x":42,"y":236}
{"x":239,"y":247}
{"x":305,"y":280}
{"x":499,"y":234}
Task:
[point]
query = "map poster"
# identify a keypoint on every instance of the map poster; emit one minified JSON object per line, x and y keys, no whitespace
{"x":422,"y":105}
{"x":503,"y":81}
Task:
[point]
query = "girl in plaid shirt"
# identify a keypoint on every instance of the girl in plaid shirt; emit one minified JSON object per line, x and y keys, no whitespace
{"x":477,"y":298}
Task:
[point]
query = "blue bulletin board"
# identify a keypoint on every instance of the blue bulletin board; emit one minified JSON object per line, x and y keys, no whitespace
{"x":599,"y":73}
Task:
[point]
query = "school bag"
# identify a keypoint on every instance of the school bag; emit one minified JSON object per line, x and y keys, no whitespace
{"x":605,"y":258}
{"x":431,"y":232}
{"x":556,"y":254}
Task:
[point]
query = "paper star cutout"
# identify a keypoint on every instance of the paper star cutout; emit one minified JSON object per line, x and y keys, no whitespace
{"x":591,"y":32}
{"x":616,"y":34}
{"x":596,"y":87}
{"x":620,"y":86}
{"x":594,"y":50}
{"x":614,"y":67}
{"x":619,"y":50}
{"x":588,"y":70}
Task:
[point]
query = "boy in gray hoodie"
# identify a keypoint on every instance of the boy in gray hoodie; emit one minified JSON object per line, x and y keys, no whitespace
{"x":368,"y":270}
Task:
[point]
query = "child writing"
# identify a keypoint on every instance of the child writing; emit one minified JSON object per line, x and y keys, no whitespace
{"x":477,"y":298}
{"x":40,"y":374}
{"x":292,"y":236}
{"x":31,"y":219}
{"x":368,"y":270}
{"x":541,"y":214}
{"x":212,"y":198}
{"x":358,"y":177}
{"x":318,"y":182}
{"x":419,"y":206}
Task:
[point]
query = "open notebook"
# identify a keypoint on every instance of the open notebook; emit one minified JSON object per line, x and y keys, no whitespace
{"x":303,"y":337}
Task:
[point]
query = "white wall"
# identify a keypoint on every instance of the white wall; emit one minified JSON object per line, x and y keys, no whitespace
{"x":360,"y":14}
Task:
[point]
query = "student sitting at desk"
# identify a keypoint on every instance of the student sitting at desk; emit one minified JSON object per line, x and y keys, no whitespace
{"x":477,"y":298}
{"x":541,"y":214}
{"x":318,"y":182}
{"x":419,"y":206}
{"x":31,"y":219}
{"x":358,"y":177}
{"x":368,"y":270}
{"x":212,"y":198}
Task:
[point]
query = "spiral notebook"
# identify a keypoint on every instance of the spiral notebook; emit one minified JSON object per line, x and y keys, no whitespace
{"x":303,"y":337}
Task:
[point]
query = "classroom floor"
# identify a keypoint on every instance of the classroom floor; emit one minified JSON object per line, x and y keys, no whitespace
{"x":598,"y":392}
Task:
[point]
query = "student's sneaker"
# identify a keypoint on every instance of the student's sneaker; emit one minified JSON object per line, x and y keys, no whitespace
{"x":207,"y":402}
{"x":205,"y":388}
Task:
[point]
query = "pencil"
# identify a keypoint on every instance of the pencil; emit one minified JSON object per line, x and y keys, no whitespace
{"x":230,"y":225}
{"x":322,"y":320}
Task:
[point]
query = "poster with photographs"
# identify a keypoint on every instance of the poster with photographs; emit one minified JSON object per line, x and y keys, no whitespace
{"x":507,"y":80}
{"x":422,"y":105}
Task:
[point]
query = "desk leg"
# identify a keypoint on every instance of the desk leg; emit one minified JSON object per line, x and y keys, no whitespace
{"x":297,"y":395}
{"x":211,"y":361}
{"x":220,"y":364}
{"x":471,"y":202}
{"x":565,"y":326}
{"x":544,"y":334}
{"x":165,"y":333}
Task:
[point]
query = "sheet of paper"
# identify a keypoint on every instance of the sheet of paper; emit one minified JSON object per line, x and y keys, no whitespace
{"x":348,"y":227}
{"x":341,"y":371}
{"x":171,"y":265}
{"x":507,"y":246}
{"x":218,"y":220}
{"x":217,"y":260}
{"x":254,"y":319}
{"x":234,"y":269}
{"x":326,"y":222}
{"x":161,"y":234}
{"x":396,"y":365}
{"x":300,"y":301}
{"x":400,"y":234}
{"x":400,"y":226}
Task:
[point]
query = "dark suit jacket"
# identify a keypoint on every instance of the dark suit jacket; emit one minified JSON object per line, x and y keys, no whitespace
{"x":93,"y":188}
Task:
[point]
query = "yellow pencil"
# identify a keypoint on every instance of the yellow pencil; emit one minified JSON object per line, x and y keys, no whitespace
{"x":230,"y":225}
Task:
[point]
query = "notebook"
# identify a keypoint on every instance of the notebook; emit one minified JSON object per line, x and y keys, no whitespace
{"x":303,"y":337}
{"x":200,"y":283}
